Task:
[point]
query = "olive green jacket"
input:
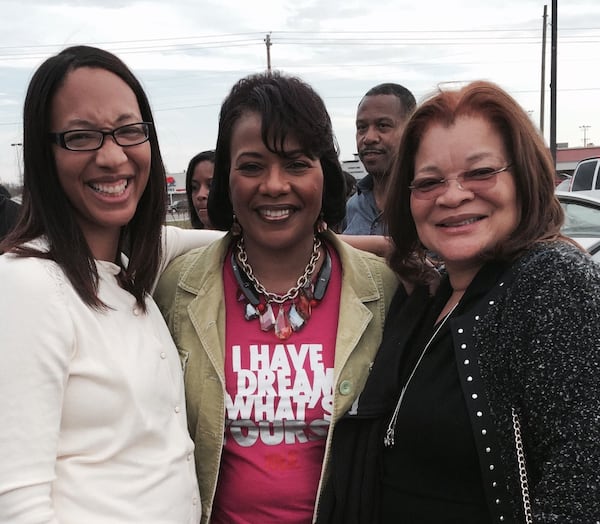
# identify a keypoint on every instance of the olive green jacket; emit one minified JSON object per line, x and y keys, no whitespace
{"x":190,"y":295}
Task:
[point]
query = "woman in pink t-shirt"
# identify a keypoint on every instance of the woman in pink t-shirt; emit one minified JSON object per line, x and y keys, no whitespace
{"x":278,"y":322}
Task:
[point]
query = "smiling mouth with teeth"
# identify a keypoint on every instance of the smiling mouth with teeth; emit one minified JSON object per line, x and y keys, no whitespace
{"x":111,"y":189}
{"x":275,"y":213}
{"x":461,"y":223}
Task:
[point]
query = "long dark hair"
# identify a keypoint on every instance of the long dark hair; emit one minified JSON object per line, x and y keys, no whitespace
{"x":540,"y":213}
{"x":204,"y":156}
{"x":46,"y":209}
{"x":288,"y":107}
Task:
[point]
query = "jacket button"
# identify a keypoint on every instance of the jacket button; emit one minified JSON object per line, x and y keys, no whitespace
{"x":345,"y":387}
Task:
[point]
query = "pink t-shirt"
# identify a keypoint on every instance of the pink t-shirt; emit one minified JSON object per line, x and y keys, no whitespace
{"x":278,"y":408}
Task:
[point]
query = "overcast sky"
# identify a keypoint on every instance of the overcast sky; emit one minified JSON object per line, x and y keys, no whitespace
{"x":188,"y":53}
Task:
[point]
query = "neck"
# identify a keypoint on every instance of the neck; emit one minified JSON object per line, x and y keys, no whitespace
{"x":459,"y":280}
{"x":104,"y":246}
{"x":379,"y":187}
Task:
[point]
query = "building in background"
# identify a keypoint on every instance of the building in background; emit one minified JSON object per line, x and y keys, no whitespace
{"x":176,"y":187}
{"x":354,"y":167}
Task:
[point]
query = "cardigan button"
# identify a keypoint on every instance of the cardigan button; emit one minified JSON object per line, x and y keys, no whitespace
{"x":345,"y":387}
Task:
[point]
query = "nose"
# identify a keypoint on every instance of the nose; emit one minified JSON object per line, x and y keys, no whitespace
{"x":203,"y":192}
{"x":371,"y":135}
{"x":454,"y":193}
{"x":275,"y":181}
{"x":110,"y":154}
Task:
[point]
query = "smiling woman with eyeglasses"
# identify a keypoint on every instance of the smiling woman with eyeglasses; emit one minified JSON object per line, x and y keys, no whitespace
{"x":91,"y":387}
{"x":484,"y":399}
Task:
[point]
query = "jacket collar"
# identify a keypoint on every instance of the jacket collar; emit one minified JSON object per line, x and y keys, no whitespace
{"x":199,"y":276}
{"x":203,"y":278}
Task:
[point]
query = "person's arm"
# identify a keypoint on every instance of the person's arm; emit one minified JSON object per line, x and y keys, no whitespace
{"x":559,"y":373}
{"x":36,"y":345}
{"x":376,"y":244}
{"x":177,"y":241}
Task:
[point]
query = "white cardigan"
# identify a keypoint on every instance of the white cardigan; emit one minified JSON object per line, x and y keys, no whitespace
{"x":93,"y":425}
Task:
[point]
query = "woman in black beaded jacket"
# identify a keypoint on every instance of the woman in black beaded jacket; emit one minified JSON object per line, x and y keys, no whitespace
{"x":483,"y":404}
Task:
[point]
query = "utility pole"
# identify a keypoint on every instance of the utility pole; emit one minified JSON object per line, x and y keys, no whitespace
{"x":553,"y":82}
{"x":268,"y":44}
{"x":18,"y":145}
{"x":543,"y":86}
{"x":585,"y":128}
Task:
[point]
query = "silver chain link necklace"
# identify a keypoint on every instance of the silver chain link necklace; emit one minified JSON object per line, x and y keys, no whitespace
{"x":292,"y":293}
{"x":300,"y":299}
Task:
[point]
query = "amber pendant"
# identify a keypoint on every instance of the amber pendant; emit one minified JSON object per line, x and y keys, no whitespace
{"x":283,"y":329}
{"x":303,"y":306}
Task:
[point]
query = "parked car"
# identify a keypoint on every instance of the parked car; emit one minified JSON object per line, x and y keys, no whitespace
{"x":586,"y":176}
{"x":179,"y":206}
{"x":582,"y":219}
{"x":564,"y":182}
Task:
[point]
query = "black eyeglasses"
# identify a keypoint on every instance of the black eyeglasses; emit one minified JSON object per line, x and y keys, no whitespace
{"x":92,"y":139}
{"x":430,"y":187}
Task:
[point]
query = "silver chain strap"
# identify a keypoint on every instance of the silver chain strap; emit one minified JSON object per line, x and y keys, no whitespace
{"x":522,"y":469}
{"x":300,"y":283}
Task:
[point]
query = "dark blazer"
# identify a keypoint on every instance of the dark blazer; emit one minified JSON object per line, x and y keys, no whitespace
{"x":531,"y":345}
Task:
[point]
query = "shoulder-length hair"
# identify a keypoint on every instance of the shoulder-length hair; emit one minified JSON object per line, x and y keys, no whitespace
{"x":288,"y":107}
{"x":47,"y":210}
{"x":204,"y":156}
{"x":540,"y":213}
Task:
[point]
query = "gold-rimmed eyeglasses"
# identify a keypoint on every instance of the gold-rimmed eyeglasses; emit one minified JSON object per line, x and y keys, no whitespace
{"x":475,"y":180}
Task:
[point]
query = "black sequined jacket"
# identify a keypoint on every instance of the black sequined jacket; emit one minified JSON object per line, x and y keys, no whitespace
{"x":530,"y":346}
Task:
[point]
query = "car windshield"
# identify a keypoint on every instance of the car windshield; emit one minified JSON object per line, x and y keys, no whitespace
{"x":581,"y":219}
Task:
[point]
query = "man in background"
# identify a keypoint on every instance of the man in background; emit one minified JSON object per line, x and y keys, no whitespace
{"x":380,"y":119}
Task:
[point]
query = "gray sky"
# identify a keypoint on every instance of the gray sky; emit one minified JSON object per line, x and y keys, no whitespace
{"x":188,"y":53}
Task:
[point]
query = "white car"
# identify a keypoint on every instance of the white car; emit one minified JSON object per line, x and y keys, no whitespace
{"x":582,"y":219}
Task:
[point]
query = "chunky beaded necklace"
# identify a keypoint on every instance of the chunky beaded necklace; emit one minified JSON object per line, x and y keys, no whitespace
{"x":295,"y":306}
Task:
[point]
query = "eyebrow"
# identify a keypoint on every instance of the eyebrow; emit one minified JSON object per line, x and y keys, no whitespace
{"x":480,"y":156}
{"x":377,"y":119}
{"x":88,"y":124}
{"x":290,"y":153}
{"x":251,"y":154}
{"x":472,"y":158}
